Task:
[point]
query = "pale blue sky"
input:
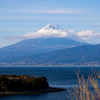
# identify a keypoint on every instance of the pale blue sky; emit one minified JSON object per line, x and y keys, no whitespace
{"x":18,"y":17}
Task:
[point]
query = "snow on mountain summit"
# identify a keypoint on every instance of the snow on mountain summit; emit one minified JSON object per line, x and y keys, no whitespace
{"x":52,"y":30}
{"x":52,"y":26}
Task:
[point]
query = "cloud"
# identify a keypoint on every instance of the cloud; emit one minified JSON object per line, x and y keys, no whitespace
{"x":42,"y":11}
{"x":44,"y":34}
{"x":63,"y":11}
{"x":56,"y":31}
{"x":87,"y":35}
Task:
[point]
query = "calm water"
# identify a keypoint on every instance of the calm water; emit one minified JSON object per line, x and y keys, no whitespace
{"x":63,"y":77}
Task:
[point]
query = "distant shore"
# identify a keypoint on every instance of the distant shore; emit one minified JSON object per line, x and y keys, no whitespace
{"x":50,"y":66}
{"x":47,"y":90}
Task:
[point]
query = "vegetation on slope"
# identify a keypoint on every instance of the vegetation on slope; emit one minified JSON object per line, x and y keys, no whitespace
{"x":22,"y":83}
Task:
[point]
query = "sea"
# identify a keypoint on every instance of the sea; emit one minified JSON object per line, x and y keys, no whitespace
{"x":60,"y":77}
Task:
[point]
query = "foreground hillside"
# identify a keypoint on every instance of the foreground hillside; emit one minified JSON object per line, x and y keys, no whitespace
{"x":22,"y":83}
{"x":75,"y":56}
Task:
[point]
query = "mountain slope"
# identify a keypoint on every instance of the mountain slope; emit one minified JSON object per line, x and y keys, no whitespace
{"x":52,"y":38}
{"x":34,"y":46}
{"x":78,"y":55}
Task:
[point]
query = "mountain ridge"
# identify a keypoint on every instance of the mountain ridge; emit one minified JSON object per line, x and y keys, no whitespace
{"x":34,"y":46}
{"x":76,"y":56}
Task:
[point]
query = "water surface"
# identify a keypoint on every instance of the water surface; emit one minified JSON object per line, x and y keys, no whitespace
{"x":63,"y":77}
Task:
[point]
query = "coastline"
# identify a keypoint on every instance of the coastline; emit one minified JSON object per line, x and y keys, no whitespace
{"x":47,"y":90}
{"x":50,"y":66}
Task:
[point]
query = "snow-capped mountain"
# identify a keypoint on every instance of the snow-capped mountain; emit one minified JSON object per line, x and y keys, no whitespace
{"x":50,"y":31}
{"x":52,"y":26}
{"x":53,"y":30}
{"x":49,"y":38}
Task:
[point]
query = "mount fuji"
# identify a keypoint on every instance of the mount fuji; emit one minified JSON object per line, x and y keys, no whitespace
{"x":49,"y":38}
{"x":53,"y":30}
{"x":52,"y":26}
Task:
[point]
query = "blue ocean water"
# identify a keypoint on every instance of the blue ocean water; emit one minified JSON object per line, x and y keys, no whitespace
{"x":61,"y":77}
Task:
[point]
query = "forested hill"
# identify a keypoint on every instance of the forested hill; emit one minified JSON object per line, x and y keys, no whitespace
{"x":78,"y":55}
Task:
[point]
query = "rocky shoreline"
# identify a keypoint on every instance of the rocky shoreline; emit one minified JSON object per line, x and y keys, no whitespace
{"x":47,"y":90}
